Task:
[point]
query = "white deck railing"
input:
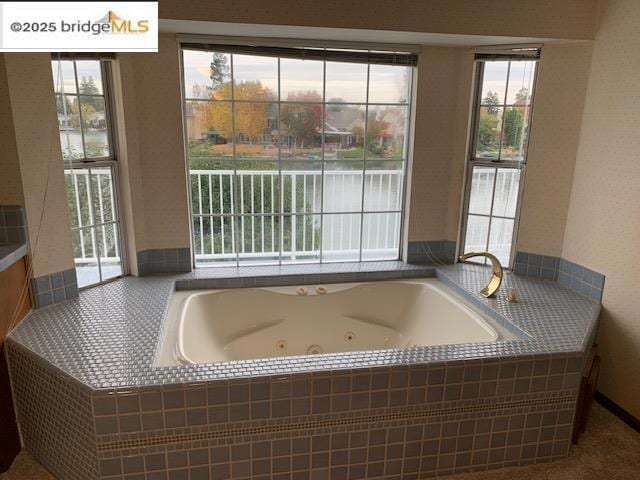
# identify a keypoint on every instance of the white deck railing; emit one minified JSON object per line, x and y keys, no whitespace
{"x":94,"y":223}
{"x":274,"y":217}
{"x":289,"y":223}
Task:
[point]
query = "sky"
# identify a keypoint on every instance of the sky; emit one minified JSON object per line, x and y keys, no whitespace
{"x":347,"y":81}
{"x":86,"y":68}
{"x":495,"y":78}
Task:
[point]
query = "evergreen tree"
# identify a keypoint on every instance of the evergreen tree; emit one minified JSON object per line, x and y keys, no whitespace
{"x":88,"y":87}
{"x":491,"y":101}
{"x":219,"y":69}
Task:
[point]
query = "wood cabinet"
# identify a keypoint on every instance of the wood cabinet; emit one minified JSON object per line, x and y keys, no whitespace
{"x":12,"y":283}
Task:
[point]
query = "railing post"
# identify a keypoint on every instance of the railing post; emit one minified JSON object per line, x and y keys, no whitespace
{"x":293,"y":216}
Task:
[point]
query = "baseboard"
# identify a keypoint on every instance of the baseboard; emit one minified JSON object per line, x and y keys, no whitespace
{"x":617,"y":410}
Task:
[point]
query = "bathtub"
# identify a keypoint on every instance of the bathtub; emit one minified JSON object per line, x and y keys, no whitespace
{"x":210,"y":326}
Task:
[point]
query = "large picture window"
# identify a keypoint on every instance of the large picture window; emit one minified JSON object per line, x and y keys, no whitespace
{"x":498,"y":153}
{"x":295,"y":159}
{"x":82,"y":88}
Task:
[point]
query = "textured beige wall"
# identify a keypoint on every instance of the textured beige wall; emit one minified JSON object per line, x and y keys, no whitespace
{"x":129,"y":168}
{"x":464,"y":103}
{"x":568,"y":19}
{"x":154,"y":134}
{"x":10,"y":180}
{"x":443,"y":74}
{"x":38,"y":146}
{"x":560,"y":91}
{"x":603,"y":225}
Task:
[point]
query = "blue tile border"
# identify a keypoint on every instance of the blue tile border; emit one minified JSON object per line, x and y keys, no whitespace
{"x":54,"y":288}
{"x":164,"y":260}
{"x":10,"y":254}
{"x":581,"y":279}
{"x":13,"y":227}
{"x":431,"y":251}
{"x":80,"y":334}
{"x":283,"y":275}
{"x":578,"y":278}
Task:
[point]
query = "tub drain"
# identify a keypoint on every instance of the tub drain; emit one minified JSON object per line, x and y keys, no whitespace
{"x":281,"y":345}
{"x":349,"y":336}
{"x":314,"y":350}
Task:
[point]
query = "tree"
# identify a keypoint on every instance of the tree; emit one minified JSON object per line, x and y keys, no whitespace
{"x":376,"y":128}
{"x":63,"y":107}
{"x":303,"y":122}
{"x":488,"y":132}
{"x":251,"y":119}
{"x":336,"y":104}
{"x":219,"y":69}
{"x":522,"y":96}
{"x":491,"y":101}
{"x":513,"y":127}
{"x":88,"y":87}
{"x":200,"y":91}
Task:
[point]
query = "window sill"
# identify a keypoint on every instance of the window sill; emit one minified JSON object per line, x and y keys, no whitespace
{"x":279,"y":275}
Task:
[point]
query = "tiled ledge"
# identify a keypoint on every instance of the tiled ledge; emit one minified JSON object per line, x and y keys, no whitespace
{"x":12,"y":224}
{"x":13,"y":235}
{"x":164,"y":260}
{"x":54,"y":288}
{"x":271,"y":275}
{"x":108,"y":336}
{"x":438,"y":251}
{"x":578,"y":278}
{"x":10,"y":254}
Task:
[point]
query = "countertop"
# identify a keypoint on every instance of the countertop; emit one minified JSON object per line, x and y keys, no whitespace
{"x":11,"y":253}
{"x":107,"y":338}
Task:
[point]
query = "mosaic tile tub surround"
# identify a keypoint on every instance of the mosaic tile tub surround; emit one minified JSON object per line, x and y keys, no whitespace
{"x":164,"y":260}
{"x":440,"y":251}
{"x":12,"y":225}
{"x":47,"y":289}
{"x":54,"y":288}
{"x":578,"y":278}
{"x":13,"y":235}
{"x":411,"y":413}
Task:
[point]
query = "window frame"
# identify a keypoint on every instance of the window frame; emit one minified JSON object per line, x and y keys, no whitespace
{"x":110,"y":161}
{"x":473,"y":161}
{"x":225,"y":47}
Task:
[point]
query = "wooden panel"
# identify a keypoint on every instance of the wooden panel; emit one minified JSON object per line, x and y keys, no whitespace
{"x":12,"y":282}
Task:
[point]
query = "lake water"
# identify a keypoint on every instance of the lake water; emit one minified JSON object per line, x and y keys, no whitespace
{"x":93,"y":139}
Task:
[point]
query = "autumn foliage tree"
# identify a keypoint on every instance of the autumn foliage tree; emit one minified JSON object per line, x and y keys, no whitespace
{"x":303,"y":121}
{"x":251,"y":119}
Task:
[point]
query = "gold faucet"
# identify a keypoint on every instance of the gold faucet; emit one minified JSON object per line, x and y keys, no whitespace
{"x":492,"y":287}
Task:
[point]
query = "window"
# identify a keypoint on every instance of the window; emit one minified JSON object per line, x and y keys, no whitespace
{"x":498,"y":153}
{"x":81,"y":88}
{"x":295,"y":159}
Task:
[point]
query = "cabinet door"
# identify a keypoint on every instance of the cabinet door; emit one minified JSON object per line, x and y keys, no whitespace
{"x":12,"y":286}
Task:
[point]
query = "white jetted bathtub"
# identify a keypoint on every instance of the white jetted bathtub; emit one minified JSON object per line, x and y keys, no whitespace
{"x":208,"y":326}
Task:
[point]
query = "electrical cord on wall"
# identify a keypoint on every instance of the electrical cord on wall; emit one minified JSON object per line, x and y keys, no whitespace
{"x":427,"y":251}
{"x":34,"y":248}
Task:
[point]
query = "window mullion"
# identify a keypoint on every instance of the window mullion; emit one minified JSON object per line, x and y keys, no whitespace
{"x":93,"y":229}
{"x":322,"y":182}
{"x":280,"y":178}
{"x":235,"y":169}
{"x":75,"y":76}
{"x":504,"y":110}
{"x":364,"y":162}
{"x":493,"y":199}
